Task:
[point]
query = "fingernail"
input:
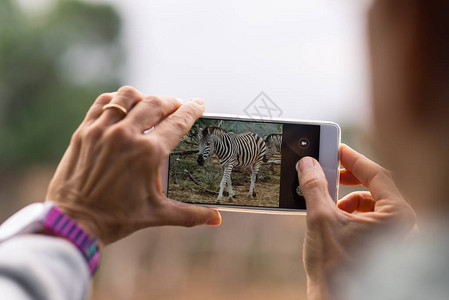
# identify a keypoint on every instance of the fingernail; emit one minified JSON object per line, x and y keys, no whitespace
{"x":197,"y":100}
{"x":305,"y":163}
{"x":180,"y":100}
{"x":216,"y":220}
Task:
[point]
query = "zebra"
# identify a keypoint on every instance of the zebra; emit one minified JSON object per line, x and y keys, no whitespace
{"x":273,"y":143}
{"x":233,"y":150}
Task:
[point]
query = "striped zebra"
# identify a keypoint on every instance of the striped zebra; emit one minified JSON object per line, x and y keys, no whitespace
{"x":233,"y":150}
{"x":273,"y":142}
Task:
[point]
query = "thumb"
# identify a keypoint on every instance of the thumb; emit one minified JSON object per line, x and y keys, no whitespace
{"x":314,"y":185}
{"x":188,"y":215}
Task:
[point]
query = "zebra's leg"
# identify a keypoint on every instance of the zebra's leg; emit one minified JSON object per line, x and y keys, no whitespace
{"x":226,"y":176}
{"x":254,"y":171}
{"x":230,"y":191}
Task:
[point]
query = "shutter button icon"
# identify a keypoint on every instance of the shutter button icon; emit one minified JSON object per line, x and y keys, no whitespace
{"x":298,"y":191}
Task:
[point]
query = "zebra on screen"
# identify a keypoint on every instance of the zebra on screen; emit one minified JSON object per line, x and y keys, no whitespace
{"x":233,"y":150}
{"x":273,"y":143}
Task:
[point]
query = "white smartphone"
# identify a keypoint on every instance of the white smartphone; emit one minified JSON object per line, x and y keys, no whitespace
{"x":246,"y":164}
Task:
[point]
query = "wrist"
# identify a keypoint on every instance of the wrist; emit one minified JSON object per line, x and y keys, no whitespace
{"x":60,"y":224}
{"x":317,"y":289}
{"x":47,"y":218}
{"x":85,"y":219}
{"x":328,"y":284}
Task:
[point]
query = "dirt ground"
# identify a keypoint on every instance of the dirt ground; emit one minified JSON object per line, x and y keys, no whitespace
{"x":192,"y":183}
{"x":267,"y":195}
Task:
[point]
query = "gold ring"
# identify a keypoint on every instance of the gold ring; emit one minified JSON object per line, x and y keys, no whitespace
{"x":116,"y":106}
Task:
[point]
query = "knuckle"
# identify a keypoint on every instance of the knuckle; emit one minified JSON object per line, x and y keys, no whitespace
{"x":179,"y":122}
{"x":77,"y":136}
{"x":153,"y":100}
{"x":190,"y":221}
{"x":191,"y":114}
{"x":93,"y":132}
{"x":128,"y":91}
{"x":380,"y":174}
{"x":103,"y":98}
{"x":312,"y":183}
{"x":155,"y":103}
{"x":117,"y":135}
{"x":185,"y":119}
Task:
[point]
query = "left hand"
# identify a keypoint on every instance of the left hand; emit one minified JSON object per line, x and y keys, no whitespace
{"x":108,"y":180}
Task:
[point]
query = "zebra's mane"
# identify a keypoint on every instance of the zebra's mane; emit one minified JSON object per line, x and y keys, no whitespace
{"x":271,"y":135}
{"x":209,"y":130}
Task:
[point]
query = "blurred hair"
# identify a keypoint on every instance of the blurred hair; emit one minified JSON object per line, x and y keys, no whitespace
{"x":433,"y":22}
{"x":428,"y":21}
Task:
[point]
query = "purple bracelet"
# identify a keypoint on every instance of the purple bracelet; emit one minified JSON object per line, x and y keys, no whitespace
{"x":61,"y":225}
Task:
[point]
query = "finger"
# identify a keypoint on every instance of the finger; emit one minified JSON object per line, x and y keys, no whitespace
{"x":127,"y":97}
{"x":96,"y":109}
{"x":370,"y":174}
{"x":346,"y":178}
{"x":357,"y":201}
{"x":188,"y":215}
{"x":171,"y":130}
{"x":151,"y":110}
{"x":314,"y":185}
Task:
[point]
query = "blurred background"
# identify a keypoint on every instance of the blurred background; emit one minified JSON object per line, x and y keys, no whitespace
{"x":308,"y":57}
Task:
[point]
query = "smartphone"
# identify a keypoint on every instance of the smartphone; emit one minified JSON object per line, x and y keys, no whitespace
{"x":246,"y":164}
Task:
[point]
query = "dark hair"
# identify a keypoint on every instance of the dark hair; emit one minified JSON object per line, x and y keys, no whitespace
{"x":434,"y":21}
{"x":431,"y":59}
{"x":428,"y":59}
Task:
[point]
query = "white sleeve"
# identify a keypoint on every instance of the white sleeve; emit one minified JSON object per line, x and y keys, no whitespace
{"x":38,"y":267}
{"x":413,"y":270}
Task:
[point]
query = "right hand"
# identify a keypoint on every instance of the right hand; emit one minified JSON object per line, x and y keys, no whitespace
{"x":334,"y":231}
{"x":108,"y":180}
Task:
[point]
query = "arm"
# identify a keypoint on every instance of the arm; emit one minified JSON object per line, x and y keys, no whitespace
{"x":108,"y":183}
{"x":38,"y":267}
{"x":335,"y":233}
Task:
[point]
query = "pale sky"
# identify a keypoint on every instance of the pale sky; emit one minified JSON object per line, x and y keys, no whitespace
{"x":308,"y":56}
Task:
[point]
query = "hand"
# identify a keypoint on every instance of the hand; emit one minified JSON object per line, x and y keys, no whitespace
{"x":108,"y":180}
{"x":334,"y":231}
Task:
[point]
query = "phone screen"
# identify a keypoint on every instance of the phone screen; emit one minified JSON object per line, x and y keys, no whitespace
{"x":242,"y":163}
